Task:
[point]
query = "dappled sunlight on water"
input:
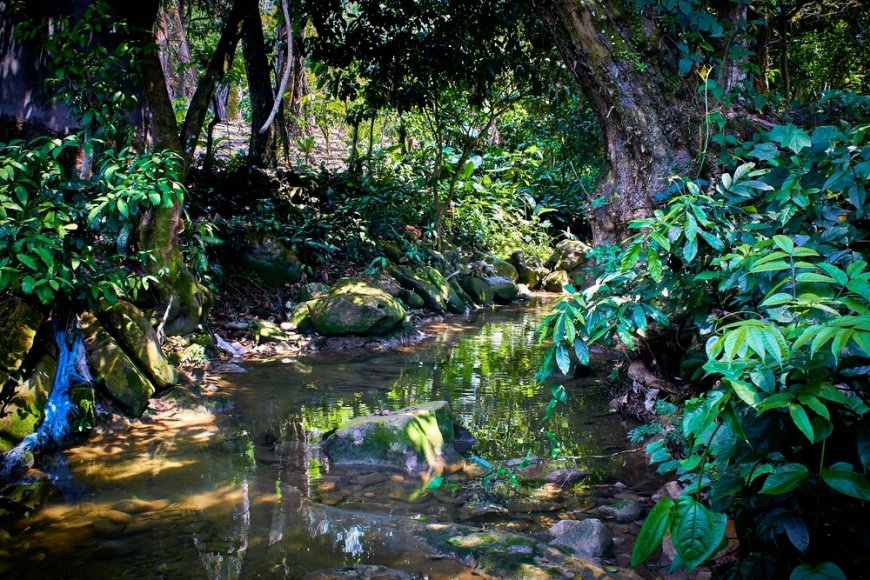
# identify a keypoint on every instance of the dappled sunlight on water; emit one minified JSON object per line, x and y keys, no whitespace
{"x":251,"y":494}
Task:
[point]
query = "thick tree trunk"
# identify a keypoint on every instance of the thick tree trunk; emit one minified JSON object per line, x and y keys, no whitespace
{"x":181,"y":299}
{"x":649,"y":118}
{"x":171,"y":38}
{"x":261,"y":151}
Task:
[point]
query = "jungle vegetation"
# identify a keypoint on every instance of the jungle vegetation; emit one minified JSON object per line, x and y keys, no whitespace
{"x":715,"y":154}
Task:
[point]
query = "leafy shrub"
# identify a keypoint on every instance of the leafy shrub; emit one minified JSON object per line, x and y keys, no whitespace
{"x":766,"y":265}
{"x":63,"y":238}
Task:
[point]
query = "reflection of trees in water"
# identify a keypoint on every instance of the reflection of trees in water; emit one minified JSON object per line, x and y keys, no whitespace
{"x":227,"y":564}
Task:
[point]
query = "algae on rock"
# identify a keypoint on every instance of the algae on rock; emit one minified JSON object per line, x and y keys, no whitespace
{"x":354,"y":307}
{"x":416,"y":438}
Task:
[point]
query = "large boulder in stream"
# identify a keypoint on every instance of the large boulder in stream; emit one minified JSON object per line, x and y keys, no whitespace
{"x":354,"y":307}
{"x":502,"y":268}
{"x":416,"y":438}
{"x":568,"y":255}
{"x":477,"y":289}
{"x":504,"y":290}
{"x":530,"y":269}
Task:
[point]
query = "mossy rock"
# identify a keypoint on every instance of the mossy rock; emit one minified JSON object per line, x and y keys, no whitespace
{"x":23,"y":411}
{"x":354,"y":307}
{"x":432,"y":286}
{"x":385,"y":282}
{"x":503,"y":268}
{"x":416,"y":439}
{"x":568,"y":255}
{"x":18,"y":325}
{"x":504,"y":290}
{"x":265,"y":331}
{"x":300,"y":316}
{"x":312,"y":291}
{"x":412,"y":299}
{"x":137,"y":337}
{"x":556,"y":281}
{"x":270,"y":262}
{"x":477,"y":289}
{"x":125,"y":383}
{"x":530,"y":269}
{"x":462,"y":294}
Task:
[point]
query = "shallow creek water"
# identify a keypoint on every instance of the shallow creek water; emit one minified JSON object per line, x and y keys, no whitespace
{"x":250,"y":494}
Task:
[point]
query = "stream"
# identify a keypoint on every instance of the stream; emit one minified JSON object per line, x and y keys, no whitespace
{"x":248,"y":493}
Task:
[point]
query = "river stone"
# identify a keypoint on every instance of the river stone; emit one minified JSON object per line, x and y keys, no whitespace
{"x":265,"y":331}
{"x":313,"y":290}
{"x":432,"y":286}
{"x":530,"y":270}
{"x":412,"y":299}
{"x":556,"y":281}
{"x":23,"y":411}
{"x":503,"y":268}
{"x":622,"y":511}
{"x":504,"y":290}
{"x":462,"y":294}
{"x":385,"y":282}
{"x":300,"y":316}
{"x":18,"y":325}
{"x":477,"y":289}
{"x":568,"y":255}
{"x":362,"y":572}
{"x":125,"y":383}
{"x":586,"y":537}
{"x":415,"y":438}
{"x":270,"y":261}
{"x":139,"y":340}
{"x":565,"y":477}
{"x":354,"y":307}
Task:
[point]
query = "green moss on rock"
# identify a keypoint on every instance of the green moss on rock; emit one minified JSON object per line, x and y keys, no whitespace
{"x":354,"y":307}
{"x":416,"y":438}
{"x":18,"y":325}
{"x":139,"y":340}
{"x":23,"y":411}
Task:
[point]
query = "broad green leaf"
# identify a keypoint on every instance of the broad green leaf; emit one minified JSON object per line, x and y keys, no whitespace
{"x":846,"y":480}
{"x":836,"y":273}
{"x":27,"y":261}
{"x":654,"y":264}
{"x":714,"y":242}
{"x":631,"y":257}
{"x":822,"y":571}
{"x":777,"y":299}
{"x":864,"y":448}
{"x":797,"y":532}
{"x":653,"y":530}
{"x":690,"y":250}
{"x":581,"y":350}
{"x":813,"y":277}
{"x":769,"y":267}
{"x":770,"y":257}
{"x":824,"y":334}
{"x":746,"y":393}
{"x":697,"y":532}
{"x":815,"y":404}
{"x":802,"y":421}
{"x":691,"y":228}
{"x":790,"y":137}
{"x":563,"y":359}
{"x":661,"y":241}
{"x":785,"y":478}
{"x":784,"y":243}
{"x":860,"y":287}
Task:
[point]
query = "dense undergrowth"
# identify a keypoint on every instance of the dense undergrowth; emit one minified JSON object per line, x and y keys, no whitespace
{"x":764,"y":276}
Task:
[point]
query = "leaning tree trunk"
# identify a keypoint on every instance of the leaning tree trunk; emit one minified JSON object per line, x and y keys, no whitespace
{"x":261,"y":151}
{"x":648,"y":118}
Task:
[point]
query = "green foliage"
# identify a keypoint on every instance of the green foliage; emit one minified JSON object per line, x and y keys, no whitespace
{"x":66,"y":238}
{"x":765,"y":265}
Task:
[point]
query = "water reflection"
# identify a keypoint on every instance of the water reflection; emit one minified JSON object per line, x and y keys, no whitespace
{"x":247,"y":497}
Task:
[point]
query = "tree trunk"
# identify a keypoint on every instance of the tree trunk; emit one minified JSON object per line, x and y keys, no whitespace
{"x":261,"y":151}
{"x":648,"y":118}
{"x":181,"y":300}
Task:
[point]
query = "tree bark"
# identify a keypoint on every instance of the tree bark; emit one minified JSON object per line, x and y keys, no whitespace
{"x":212,"y":76}
{"x":261,"y":151}
{"x":647,"y":116}
{"x":180,"y":298}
